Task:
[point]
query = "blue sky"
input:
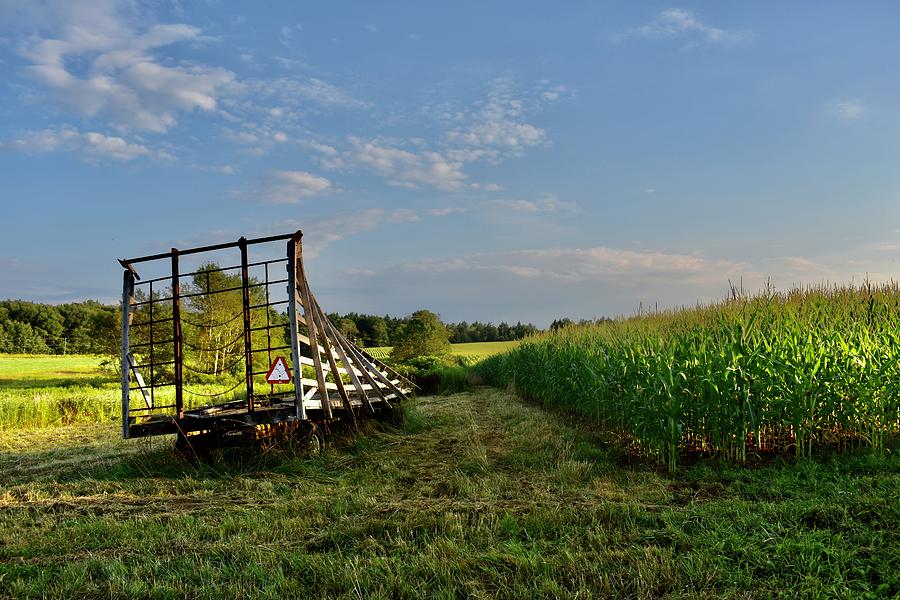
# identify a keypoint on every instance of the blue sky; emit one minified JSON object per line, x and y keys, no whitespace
{"x":492,"y":161}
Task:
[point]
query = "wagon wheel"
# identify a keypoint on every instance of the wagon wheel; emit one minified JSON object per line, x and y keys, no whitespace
{"x":204,"y":447}
{"x":311,"y":438}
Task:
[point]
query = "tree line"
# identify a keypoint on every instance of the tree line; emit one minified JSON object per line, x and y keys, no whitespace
{"x":372,"y":331}
{"x":74,"y":328}
{"x":93,"y":328}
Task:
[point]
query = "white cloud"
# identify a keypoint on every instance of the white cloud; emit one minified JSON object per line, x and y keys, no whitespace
{"x":321,"y":233}
{"x":497,"y":126}
{"x":404,"y":215}
{"x":677,"y":23}
{"x":849,"y":110}
{"x":92,"y":59}
{"x":358,"y":272}
{"x":446,"y":210}
{"x":102,"y":59}
{"x":371,"y":28}
{"x":90,"y":146}
{"x":400,"y":167}
{"x":490,"y":130}
{"x":549,"y":203}
{"x":582,"y":265}
{"x":487,"y":187}
{"x":288,"y":32}
{"x":288,"y":187}
{"x":296,"y":92}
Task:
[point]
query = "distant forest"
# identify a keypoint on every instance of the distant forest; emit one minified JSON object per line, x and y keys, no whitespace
{"x":93,"y":328}
{"x":374,"y":331}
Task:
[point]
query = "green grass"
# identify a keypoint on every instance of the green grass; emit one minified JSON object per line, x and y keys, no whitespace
{"x":42,"y":391}
{"x":475,"y":350}
{"x":478,"y":495}
{"x":790,"y":372}
{"x":41,"y":370}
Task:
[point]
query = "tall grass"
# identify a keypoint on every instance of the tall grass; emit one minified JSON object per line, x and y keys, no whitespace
{"x":50,"y":406}
{"x":776,"y":371}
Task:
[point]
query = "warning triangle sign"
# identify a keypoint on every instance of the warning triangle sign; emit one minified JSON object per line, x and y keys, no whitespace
{"x":279,"y":371}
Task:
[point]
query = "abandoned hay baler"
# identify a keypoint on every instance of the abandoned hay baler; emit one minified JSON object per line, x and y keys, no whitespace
{"x":225,"y":355}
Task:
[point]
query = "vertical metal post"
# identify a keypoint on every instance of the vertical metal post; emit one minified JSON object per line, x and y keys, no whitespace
{"x":176,"y":336}
{"x":268,"y":329}
{"x":293,"y":318}
{"x":152,"y":378}
{"x":127,"y":297}
{"x":248,"y":349}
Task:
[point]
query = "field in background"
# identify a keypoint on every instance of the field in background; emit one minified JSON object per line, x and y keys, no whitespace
{"x":476,"y":350}
{"x":477,"y":495}
{"x":49,"y":390}
{"x":48,"y":370}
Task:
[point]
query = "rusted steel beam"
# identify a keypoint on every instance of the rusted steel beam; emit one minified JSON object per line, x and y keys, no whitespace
{"x":127,"y":298}
{"x":293,"y":246}
{"x":177,"y":336}
{"x":225,"y":246}
{"x":248,"y":343}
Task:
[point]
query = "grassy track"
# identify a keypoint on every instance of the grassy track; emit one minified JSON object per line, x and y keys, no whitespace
{"x":478,"y":495}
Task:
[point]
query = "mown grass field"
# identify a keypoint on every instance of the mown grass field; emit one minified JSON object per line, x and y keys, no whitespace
{"x":42,"y":370}
{"x":477,"y":495}
{"x":475,"y":350}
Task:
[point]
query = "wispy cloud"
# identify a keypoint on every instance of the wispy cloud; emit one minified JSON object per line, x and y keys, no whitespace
{"x":90,"y":146}
{"x":90,"y":57}
{"x":321,"y":233}
{"x":549,"y":203}
{"x":848,"y":110}
{"x":680,"y":24}
{"x":489,"y":130}
{"x":288,"y":32}
{"x":107,"y":59}
{"x":581,"y":265}
{"x":400,"y":167}
{"x":404,"y":215}
{"x":287,"y":187}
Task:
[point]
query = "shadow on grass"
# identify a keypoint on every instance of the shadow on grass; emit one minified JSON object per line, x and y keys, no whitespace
{"x":55,"y":382}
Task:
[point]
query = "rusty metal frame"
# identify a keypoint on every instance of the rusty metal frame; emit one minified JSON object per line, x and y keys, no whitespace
{"x":371,"y":386}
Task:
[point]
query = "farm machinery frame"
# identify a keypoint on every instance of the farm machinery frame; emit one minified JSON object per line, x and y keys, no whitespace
{"x":322,"y":379}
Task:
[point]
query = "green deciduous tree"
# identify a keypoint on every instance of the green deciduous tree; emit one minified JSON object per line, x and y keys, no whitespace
{"x":423,"y":335}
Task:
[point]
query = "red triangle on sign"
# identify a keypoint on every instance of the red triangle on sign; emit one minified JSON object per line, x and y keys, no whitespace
{"x":279,"y":372}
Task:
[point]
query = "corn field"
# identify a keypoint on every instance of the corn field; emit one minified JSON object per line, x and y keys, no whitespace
{"x":783,"y":372}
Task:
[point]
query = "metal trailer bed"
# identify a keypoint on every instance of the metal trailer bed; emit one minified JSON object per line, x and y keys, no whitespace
{"x":343,"y":384}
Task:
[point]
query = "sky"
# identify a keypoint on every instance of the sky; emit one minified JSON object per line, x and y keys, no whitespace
{"x":488,"y":161}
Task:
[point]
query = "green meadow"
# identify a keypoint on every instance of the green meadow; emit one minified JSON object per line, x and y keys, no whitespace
{"x":480,"y":494}
{"x":477,"y":495}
